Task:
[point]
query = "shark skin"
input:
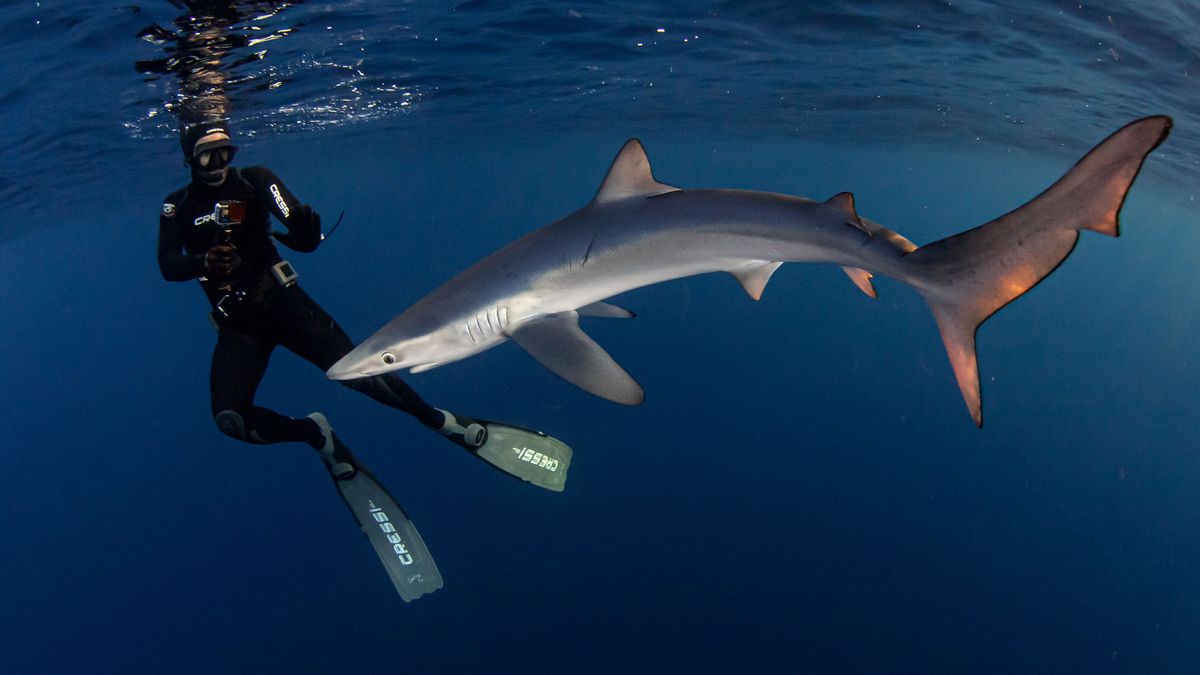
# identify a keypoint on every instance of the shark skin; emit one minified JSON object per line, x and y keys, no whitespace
{"x":638,"y":231}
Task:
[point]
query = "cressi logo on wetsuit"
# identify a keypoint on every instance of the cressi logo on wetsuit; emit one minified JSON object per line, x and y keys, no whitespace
{"x":207,"y":218}
{"x":280,"y":201}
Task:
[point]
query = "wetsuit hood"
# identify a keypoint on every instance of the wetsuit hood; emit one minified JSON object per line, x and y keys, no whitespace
{"x":204,"y":137}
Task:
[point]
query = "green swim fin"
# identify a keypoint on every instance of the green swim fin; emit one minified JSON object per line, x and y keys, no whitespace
{"x":523,"y":453}
{"x":386,"y":525}
{"x":527,"y":454}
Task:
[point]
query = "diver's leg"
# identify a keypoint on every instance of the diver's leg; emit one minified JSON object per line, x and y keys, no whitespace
{"x":313,"y":335}
{"x":238,"y":364}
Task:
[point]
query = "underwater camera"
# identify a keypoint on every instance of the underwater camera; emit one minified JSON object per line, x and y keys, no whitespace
{"x":229,"y":213}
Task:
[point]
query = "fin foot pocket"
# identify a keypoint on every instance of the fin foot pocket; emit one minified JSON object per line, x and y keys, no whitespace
{"x":335,"y":453}
{"x":463,"y":430}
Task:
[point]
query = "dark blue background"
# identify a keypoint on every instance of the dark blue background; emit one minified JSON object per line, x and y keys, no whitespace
{"x":803,"y":490}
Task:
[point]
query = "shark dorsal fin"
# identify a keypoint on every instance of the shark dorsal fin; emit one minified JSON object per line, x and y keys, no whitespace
{"x":844,"y":202}
{"x":630,"y":176}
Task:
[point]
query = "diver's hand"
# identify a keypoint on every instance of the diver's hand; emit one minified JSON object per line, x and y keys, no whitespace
{"x":304,"y":230}
{"x":221,"y":260}
{"x":310,"y":217}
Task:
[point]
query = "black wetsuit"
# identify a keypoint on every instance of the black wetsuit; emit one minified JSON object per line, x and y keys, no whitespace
{"x":259,"y":312}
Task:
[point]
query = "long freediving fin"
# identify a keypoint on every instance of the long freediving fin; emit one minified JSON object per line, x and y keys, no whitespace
{"x":529,"y":455}
{"x":385,"y":524}
{"x":522,"y":453}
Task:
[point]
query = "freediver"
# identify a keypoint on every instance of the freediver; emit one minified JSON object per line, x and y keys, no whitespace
{"x":217,"y":229}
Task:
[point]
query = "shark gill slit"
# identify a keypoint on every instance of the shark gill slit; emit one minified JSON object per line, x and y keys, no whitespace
{"x":587,"y":254}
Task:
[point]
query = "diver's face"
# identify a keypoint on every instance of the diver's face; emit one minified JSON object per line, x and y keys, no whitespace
{"x":212,"y":166}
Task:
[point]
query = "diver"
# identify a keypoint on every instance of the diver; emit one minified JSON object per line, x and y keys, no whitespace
{"x":216,"y":229}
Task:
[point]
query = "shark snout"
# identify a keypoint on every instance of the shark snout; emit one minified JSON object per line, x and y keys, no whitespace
{"x":340,"y":371}
{"x":358,"y":364}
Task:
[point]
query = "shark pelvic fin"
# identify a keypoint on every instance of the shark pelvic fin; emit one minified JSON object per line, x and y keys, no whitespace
{"x":558,"y":343}
{"x":862,"y":279}
{"x":754,"y":276}
{"x":605,"y":311}
{"x":630,"y":176}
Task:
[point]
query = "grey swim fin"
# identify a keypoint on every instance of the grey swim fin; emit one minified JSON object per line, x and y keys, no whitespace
{"x":527,"y":454}
{"x":392,"y":535}
{"x":523,"y":453}
{"x":386,"y":525}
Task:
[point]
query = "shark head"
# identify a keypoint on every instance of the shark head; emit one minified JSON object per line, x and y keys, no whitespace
{"x":378,"y":355}
{"x":394,"y":349}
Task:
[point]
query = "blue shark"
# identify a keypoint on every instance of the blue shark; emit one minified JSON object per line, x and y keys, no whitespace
{"x":638,"y":231}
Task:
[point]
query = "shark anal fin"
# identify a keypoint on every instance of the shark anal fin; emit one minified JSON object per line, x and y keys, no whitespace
{"x":862,"y":279}
{"x":754,"y":276}
{"x":630,"y":176}
{"x":605,"y":311}
{"x":557,"y":342}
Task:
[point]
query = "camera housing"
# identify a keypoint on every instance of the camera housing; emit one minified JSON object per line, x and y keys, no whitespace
{"x":230,"y":212}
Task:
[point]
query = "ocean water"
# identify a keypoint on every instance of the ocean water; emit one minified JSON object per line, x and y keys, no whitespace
{"x":803,"y":490}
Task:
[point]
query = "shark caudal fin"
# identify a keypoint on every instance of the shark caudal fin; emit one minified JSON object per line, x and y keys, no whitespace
{"x":968,"y":277}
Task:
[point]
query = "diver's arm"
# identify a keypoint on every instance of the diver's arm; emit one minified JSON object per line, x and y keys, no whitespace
{"x":174,"y":263}
{"x":302,"y":222}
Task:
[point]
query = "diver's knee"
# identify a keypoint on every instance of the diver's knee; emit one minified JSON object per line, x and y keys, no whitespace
{"x":231,"y":424}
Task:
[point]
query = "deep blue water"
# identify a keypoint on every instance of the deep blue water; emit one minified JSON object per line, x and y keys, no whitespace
{"x":803,"y":490}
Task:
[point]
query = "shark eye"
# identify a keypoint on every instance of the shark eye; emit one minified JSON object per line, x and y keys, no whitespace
{"x":389,"y":358}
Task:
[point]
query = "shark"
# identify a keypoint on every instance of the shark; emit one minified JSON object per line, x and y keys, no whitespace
{"x":638,"y":231}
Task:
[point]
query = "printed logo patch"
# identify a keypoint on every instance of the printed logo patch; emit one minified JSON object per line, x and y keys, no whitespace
{"x":168,"y":210}
{"x":283,"y":207}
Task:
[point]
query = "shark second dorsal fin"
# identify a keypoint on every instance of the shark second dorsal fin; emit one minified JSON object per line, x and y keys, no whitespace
{"x":630,"y":176}
{"x":844,"y":202}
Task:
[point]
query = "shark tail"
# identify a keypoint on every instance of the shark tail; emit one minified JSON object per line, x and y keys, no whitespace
{"x":968,"y":277}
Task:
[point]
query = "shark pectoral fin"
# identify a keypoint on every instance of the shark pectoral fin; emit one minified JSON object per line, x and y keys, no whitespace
{"x":605,"y":311}
{"x":630,"y":176}
{"x":558,"y":343}
{"x":754,"y":276}
{"x":862,"y":279}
